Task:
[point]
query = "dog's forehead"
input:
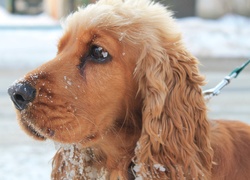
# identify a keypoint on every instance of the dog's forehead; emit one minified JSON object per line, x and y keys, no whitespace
{"x":88,"y":24}
{"x":91,"y":16}
{"x":138,"y":18}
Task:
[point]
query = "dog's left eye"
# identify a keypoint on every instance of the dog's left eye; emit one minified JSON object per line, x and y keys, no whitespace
{"x":99,"y":54}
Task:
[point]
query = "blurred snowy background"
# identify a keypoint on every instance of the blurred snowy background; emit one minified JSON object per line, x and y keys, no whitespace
{"x":216,"y":31}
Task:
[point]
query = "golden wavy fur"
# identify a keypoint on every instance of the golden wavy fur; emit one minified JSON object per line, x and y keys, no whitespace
{"x":123,"y":98}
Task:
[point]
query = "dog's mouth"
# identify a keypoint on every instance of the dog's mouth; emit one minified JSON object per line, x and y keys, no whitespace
{"x":31,"y":130}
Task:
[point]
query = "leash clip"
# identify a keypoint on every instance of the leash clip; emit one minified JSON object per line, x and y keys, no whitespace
{"x":208,"y":94}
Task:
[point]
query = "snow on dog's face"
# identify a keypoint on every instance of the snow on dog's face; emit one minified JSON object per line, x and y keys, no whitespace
{"x":85,"y":91}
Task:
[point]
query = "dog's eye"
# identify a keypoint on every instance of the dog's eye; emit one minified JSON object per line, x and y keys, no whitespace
{"x":99,"y":54}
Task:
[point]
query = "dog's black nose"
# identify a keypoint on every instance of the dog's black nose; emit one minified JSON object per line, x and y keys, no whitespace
{"x":21,"y":94}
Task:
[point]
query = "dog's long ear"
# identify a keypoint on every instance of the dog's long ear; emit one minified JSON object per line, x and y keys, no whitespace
{"x":175,"y":132}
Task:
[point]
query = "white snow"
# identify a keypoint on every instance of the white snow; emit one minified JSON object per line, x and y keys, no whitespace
{"x":105,"y":54}
{"x":137,"y":167}
{"x":7,"y":19}
{"x":26,"y":162}
{"x":27,"y":41}
{"x":227,"y":37}
{"x":159,"y":167}
{"x":27,"y":48}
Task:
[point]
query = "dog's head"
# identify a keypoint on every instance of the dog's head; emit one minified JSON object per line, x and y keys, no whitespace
{"x":117,"y":59}
{"x":89,"y":85}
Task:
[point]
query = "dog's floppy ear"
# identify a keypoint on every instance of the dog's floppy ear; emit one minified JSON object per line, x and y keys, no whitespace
{"x":174,"y":142}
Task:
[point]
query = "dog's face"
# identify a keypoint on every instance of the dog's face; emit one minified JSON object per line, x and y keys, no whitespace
{"x":83,"y":92}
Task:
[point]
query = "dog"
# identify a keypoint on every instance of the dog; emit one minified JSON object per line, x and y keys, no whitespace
{"x":123,"y":99}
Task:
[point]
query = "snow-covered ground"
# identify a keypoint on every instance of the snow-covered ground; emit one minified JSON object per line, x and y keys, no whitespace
{"x":26,"y":162}
{"x":9,"y":20}
{"x":21,"y":48}
{"x":28,"y":41}
{"x":227,"y":37}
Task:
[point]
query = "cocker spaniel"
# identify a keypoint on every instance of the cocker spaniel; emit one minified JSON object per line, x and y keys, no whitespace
{"x":123,"y":98}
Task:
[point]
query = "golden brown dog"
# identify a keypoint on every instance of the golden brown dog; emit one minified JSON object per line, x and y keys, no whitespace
{"x":123,"y":98}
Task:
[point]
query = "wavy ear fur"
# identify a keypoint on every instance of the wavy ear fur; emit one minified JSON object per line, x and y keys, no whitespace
{"x":175,"y":140}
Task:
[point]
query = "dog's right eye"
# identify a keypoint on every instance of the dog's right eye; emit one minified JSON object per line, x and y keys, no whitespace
{"x":99,"y":54}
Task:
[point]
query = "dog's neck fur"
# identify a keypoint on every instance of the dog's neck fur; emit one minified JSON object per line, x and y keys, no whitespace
{"x":109,"y":158}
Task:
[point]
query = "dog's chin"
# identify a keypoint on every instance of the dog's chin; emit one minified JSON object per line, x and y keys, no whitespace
{"x":32,"y":131}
